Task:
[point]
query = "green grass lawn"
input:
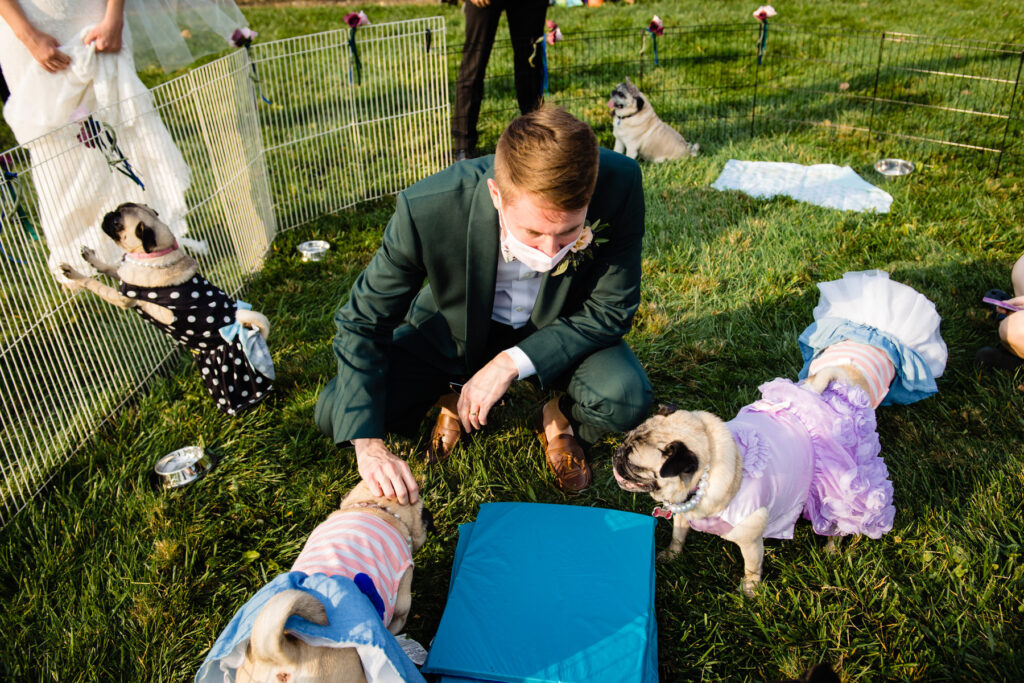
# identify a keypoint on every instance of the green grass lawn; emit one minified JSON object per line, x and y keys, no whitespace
{"x":105,"y":577}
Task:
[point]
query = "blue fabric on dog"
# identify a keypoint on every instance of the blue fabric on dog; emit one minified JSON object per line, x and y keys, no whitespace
{"x":550,"y":593}
{"x":353,"y":622}
{"x":914,"y":380}
{"x":365,"y":584}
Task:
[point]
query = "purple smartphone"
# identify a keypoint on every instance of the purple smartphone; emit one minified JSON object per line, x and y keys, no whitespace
{"x":1000,"y":304}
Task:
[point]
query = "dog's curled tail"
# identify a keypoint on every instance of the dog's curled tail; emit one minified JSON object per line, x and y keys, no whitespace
{"x":254,"y":319}
{"x":268,"y":637}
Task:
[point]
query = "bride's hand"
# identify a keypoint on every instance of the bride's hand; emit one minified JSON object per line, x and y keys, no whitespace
{"x":46,"y":50}
{"x":106,"y":35}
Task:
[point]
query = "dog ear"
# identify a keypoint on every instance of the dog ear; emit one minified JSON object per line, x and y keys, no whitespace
{"x":639,"y":101}
{"x":680,"y":460}
{"x":147,"y":236}
{"x":665,"y":409}
{"x":113,"y":225}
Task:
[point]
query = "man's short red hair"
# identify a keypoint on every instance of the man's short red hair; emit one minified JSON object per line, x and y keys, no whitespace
{"x":548,"y":153}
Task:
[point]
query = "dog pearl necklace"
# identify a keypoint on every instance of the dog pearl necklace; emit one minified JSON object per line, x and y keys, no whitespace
{"x":146,"y":264}
{"x":670,"y":509}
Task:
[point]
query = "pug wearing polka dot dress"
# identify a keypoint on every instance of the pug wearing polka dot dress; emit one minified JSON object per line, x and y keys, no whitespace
{"x":160,"y":281}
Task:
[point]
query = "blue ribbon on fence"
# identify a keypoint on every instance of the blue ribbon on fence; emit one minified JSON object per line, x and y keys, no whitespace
{"x":763,"y":41}
{"x":255,"y":75}
{"x":355,"y":58}
{"x":540,"y":45}
{"x":19,"y":211}
{"x":654,"y":39}
{"x":544,"y":65}
{"x":99,"y":135}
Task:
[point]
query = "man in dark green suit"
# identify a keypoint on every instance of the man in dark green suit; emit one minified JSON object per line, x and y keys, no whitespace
{"x":532,"y":264}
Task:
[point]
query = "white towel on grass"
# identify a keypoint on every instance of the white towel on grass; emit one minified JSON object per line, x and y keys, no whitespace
{"x":828,"y":185}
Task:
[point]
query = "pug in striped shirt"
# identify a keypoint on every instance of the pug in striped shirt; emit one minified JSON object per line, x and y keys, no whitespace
{"x":369,"y":539}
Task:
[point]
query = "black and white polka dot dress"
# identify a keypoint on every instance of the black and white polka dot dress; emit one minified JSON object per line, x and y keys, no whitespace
{"x":229,"y":368}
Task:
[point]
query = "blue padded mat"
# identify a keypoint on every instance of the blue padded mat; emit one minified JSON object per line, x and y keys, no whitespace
{"x":550,"y":593}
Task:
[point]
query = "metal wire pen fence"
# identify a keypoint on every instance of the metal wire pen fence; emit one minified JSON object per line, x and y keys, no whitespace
{"x":274,"y":137}
{"x":933,"y":94}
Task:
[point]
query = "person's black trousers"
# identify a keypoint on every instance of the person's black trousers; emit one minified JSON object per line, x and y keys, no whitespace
{"x":525,"y":26}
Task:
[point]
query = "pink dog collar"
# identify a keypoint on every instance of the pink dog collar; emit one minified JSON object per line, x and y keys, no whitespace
{"x":154,"y":254}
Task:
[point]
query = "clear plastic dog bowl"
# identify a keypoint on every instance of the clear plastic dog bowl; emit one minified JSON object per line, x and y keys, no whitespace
{"x":893,"y":167}
{"x":314,"y":250}
{"x":183,"y":466}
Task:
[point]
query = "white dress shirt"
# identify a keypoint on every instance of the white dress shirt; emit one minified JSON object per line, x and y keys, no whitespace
{"x":515,"y":294}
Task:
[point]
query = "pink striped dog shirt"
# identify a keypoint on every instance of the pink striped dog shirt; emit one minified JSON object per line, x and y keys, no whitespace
{"x":872,"y":361}
{"x":355,"y":542}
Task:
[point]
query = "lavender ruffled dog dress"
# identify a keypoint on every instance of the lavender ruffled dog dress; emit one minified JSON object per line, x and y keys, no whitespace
{"x":810,"y":454}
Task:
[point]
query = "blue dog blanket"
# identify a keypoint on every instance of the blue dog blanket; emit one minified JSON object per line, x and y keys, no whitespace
{"x":353,"y":622}
{"x":550,"y":593}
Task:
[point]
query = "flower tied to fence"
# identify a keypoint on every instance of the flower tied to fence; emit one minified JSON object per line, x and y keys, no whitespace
{"x":581,"y":251}
{"x":551,"y":35}
{"x":101,"y":136}
{"x":655,"y":28}
{"x":354,"y":21}
{"x":243,"y":37}
{"x":12,"y":198}
{"x":762,"y":14}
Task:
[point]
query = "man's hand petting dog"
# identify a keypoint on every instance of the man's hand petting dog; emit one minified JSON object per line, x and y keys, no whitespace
{"x":385,"y":473}
{"x":484,"y":389}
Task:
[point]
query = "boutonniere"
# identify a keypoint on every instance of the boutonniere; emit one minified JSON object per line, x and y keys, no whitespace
{"x":581,"y":250}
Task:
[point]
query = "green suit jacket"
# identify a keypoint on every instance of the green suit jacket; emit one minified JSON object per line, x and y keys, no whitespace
{"x":445,"y":231}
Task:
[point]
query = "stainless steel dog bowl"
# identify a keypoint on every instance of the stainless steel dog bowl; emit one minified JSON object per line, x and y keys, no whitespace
{"x":183,"y":466}
{"x":893,"y":167}
{"x":314,"y":250}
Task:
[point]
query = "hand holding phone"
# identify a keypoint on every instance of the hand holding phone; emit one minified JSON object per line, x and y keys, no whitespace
{"x":999,"y":304}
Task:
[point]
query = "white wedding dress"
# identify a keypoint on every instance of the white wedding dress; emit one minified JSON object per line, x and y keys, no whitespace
{"x":77,"y":184}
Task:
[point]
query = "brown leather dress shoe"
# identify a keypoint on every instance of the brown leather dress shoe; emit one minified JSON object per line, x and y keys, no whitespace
{"x":566,"y":462}
{"x":565,"y":459}
{"x":446,"y":435}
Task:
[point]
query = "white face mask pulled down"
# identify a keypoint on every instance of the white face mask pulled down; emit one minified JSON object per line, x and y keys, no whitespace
{"x":534,"y":259}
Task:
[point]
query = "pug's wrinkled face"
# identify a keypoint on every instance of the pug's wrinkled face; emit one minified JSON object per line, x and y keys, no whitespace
{"x":665,"y":456}
{"x":137,"y":229}
{"x":626,"y":100}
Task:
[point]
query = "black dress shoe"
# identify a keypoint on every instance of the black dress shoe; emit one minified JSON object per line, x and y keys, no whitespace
{"x":997,"y":359}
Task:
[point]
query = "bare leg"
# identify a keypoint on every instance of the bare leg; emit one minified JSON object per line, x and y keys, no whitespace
{"x":680,"y":527}
{"x":1017,"y":277}
{"x":748,"y":535}
{"x":402,"y":603}
{"x":1011,"y":331}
